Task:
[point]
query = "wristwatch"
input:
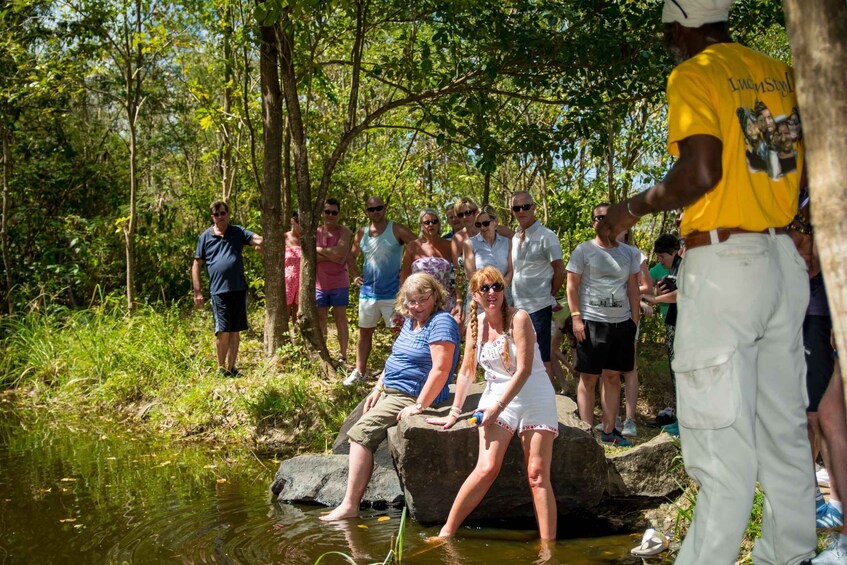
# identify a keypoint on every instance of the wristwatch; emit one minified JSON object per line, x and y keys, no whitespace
{"x":419,"y":406}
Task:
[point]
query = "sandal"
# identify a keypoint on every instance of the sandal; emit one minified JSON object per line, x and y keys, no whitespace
{"x":652,"y":543}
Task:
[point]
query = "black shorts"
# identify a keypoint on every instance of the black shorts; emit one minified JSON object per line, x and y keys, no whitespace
{"x":820,"y":359}
{"x":542,"y":323}
{"x":609,"y":346}
{"x":230,"y":311}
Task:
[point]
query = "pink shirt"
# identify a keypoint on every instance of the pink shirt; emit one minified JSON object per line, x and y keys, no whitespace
{"x":330,"y":275}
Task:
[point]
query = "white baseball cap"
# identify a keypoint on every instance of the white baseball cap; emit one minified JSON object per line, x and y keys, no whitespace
{"x":695,"y":13}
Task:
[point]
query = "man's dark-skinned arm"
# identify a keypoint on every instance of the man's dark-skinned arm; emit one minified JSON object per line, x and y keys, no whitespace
{"x":697,"y":171}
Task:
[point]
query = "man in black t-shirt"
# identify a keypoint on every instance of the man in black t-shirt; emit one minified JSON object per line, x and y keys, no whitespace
{"x":219,"y":247}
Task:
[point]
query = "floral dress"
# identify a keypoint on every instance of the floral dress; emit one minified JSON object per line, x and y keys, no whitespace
{"x":440,"y":268}
{"x":292,"y":273}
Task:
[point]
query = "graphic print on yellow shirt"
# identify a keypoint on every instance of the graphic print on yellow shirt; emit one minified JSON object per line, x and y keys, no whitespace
{"x":748,"y":101}
{"x":771,"y":143}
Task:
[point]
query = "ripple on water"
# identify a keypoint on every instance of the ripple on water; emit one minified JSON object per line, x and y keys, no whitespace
{"x":97,"y":494}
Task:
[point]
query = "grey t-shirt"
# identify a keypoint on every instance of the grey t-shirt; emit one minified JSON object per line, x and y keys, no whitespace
{"x":605,"y":272}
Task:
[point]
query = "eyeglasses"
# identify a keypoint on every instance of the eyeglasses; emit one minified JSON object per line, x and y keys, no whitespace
{"x":598,"y":218}
{"x":521,"y":207}
{"x":331,"y":212}
{"x":373,"y":209}
{"x":430,"y":222}
{"x":417,"y":302}
{"x":486,"y":223}
{"x":496,"y":287}
{"x":218,"y":214}
{"x":467,"y":213}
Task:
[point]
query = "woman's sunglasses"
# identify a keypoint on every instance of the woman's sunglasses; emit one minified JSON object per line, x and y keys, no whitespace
{"x":331,"y":212}
{"x":430,"y":222}
{"x":496,"y":287}
{"x":486,"y":223}
{"x":466,"y":213}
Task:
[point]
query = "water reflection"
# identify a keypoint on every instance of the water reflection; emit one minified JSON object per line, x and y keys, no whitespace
{"x":100,"y":492}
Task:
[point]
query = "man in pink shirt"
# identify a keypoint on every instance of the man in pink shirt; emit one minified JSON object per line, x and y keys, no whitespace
{"x":333,"y":283}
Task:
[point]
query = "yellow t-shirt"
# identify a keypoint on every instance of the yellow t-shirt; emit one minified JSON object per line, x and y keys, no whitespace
{"x":746,"y":100}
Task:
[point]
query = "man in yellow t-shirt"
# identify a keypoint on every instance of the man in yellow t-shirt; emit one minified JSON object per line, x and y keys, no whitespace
{"x":743,"y":288}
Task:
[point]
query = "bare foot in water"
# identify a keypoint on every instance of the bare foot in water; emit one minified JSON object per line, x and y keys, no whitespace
{"x":444,"y":534}
{"x":341,"y":513}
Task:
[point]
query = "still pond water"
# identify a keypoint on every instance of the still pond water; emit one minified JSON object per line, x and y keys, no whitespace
{"x":96,"y":492}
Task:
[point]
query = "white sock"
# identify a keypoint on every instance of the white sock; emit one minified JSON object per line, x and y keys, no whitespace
{"x":835,"y":504}
{"x":819,"y":499}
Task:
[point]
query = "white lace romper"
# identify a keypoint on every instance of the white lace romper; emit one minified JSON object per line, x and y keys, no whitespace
{"x":534,"y":407}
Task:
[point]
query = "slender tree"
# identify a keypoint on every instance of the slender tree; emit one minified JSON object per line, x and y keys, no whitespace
{"x":819,"y":46}
{"x":276,"y":313}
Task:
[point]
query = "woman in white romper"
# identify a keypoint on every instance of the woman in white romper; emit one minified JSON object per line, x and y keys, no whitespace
{"x":518,"y":398}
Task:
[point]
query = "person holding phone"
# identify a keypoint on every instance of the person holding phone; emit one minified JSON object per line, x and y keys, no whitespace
{"x":667,"y":249}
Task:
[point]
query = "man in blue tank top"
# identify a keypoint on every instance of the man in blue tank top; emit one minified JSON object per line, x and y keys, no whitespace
{"x":381,"y":244}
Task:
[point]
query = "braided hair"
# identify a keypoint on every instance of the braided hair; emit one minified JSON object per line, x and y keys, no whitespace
{"x":488,"y":275}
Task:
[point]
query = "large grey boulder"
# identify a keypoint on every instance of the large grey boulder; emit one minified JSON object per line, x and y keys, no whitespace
{"x":647,"y":470}
{"x":433,"y":463}
{"x":425,"y":466}
{"x":322,"y":479}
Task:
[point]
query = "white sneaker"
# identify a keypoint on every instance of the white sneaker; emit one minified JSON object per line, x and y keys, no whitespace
{"x":629,"y":429}
{"x":835,"y":554}
{"x":354,"y":377}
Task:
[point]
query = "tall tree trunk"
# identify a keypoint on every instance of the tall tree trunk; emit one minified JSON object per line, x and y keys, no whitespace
{"x":227,"y":164}
{"x":287,"y":202}
{"x":819,"y":46}
{"x":308,"y":309}
{"x":130,"y":225}
{"x":276,"y":313}
{"x":4,"y":220}
{"x":486,"y":188}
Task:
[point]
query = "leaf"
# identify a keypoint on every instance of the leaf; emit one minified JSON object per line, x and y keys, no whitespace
{"x":383,"y":518}
{"x":66,"y":520}
{"x":221,"y":481}
{"x":364,"y":527}
{"x":69,"y":480}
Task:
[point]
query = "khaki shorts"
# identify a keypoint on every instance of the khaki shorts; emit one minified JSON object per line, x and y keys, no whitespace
{"x":372,"y":427}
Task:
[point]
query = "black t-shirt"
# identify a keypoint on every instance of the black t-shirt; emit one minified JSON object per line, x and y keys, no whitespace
{"x":222,"y":255}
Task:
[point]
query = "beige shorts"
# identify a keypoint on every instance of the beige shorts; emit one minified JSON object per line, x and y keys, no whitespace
{"x":372,"y":427}
{"x":371,"y":310}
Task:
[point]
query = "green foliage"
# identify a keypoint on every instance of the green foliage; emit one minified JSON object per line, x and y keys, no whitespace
{"x":544,"y":96}
{"x":158,"y":365}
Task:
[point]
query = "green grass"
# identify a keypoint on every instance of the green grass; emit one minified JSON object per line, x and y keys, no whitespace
{"x":158,"y":365}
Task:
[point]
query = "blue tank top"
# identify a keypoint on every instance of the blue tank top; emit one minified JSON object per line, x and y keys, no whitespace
{"x":381,"y":269}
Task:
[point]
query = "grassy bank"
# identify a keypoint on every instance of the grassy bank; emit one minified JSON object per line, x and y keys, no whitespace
{"x":157,"y":367}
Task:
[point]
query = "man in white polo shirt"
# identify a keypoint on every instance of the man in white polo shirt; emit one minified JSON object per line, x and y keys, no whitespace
{"x":539,"y":271}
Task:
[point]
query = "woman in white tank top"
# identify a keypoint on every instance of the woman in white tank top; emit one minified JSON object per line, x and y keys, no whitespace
{"x":518,"y":398}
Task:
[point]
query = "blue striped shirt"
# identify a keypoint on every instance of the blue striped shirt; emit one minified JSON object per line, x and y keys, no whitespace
{"x":410,"y":362}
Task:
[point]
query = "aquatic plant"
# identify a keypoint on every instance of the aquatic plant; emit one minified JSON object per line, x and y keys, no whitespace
{"x":395,"y":554}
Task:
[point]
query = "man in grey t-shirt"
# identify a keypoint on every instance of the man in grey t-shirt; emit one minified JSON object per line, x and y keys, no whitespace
{"x":539,"y":271}
{"x":603,"y":297}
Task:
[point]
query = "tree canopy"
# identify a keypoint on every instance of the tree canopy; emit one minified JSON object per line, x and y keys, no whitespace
{"x":122,"y":119}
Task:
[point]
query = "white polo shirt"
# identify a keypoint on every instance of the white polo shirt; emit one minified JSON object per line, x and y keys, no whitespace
{"x":531,"y":262}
